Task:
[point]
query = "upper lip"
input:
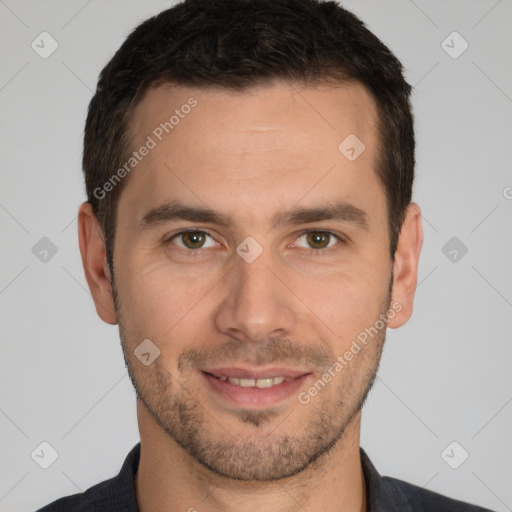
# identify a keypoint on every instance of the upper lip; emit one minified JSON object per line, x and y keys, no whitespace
{"x":248,"y":373}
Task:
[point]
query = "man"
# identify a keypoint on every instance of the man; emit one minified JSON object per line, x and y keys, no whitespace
{"x":249,"y":226}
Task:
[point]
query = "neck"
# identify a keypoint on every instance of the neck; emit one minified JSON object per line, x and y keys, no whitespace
{"x":169,"y":478}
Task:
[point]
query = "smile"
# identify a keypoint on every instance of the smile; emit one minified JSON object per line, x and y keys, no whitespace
{"x":254,"y":388}
{"x":254,"y":383}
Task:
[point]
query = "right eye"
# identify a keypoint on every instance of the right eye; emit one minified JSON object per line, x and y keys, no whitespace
{"x":192,"y":240}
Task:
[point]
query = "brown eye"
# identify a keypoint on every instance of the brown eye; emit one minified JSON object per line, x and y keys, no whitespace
{"x":317,"y":240}
{"x":193,"y":240}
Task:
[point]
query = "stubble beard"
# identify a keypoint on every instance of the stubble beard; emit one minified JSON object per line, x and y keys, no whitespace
{"x":265,"y":453}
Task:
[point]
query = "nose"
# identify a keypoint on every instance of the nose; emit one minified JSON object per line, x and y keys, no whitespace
{"x":257,"y":303}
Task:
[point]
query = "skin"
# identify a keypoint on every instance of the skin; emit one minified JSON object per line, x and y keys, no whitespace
{"x":299,"y":305}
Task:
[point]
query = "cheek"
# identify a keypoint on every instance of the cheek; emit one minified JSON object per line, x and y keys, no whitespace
{"x":348,"y":301}
{"x":160,"y":304}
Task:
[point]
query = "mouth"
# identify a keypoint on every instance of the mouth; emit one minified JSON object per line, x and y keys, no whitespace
{"x":254,"y":388}
{"x":267,"y":382}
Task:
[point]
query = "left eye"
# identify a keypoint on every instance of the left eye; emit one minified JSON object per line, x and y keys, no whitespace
{"x":319,"y":239}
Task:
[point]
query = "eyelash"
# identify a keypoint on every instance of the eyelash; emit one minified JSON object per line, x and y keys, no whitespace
{"x":323,"y":251}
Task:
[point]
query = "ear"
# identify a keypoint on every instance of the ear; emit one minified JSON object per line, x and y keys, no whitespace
{"x":405,"y":266}
{"x":94,"y":260}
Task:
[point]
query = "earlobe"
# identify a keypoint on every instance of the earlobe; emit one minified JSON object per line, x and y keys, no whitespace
{"x":405,"y":265}
{"x":97,"y":273}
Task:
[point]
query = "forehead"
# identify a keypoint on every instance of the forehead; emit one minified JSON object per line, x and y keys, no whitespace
{"x":265,"y":146}
{"x":298,"y":112}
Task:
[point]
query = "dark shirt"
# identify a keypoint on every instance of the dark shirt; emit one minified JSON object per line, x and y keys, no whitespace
{"x":383,"y":494}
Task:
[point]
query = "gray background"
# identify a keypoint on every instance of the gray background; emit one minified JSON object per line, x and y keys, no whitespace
{"x":445,"y":376}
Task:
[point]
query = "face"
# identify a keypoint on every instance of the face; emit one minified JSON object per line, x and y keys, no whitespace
{"x":253,"y":254}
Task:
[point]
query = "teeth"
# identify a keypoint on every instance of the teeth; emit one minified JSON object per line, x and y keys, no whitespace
{"x":267,"y":383}
{"x":258,"y":383}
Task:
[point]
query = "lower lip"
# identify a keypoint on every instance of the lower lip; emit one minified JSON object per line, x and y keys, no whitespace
{"x":255,"y":397}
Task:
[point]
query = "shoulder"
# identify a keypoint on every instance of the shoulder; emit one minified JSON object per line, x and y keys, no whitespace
{"x":116,"y":494}
{"x":426,"y":501}
{"x":386,"y":493}
{"x":97,"y":497}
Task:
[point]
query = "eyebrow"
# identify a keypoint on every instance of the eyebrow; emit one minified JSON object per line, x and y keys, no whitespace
{"x":174,"y":210}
